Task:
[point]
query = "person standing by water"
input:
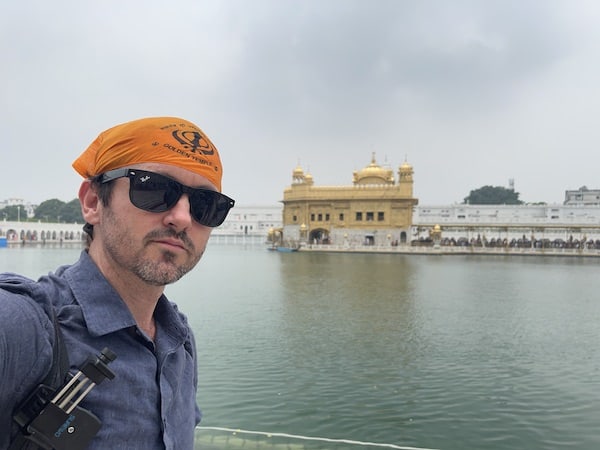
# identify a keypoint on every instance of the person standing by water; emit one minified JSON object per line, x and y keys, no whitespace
{"x":150,"y":197}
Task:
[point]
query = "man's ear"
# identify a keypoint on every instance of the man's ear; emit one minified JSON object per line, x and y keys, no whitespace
{"x":90,"y":203}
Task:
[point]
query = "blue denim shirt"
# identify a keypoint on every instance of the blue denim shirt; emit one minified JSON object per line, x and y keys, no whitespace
{"x":151,"y":402}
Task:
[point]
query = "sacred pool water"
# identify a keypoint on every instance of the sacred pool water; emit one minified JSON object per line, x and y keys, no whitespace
{"x":441,"y":352}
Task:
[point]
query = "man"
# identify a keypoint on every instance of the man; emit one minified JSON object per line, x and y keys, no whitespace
{"x":150,"y":198}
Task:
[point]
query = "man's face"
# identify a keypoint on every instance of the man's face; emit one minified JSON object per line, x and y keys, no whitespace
{"x":158,"y":248}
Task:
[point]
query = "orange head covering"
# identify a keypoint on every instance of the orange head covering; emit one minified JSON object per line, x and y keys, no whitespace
{"x":166,"y":140}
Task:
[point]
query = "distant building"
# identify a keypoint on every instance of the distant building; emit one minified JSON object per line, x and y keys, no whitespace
{"x":250,"y":221}
{"x":508,"y":222}
{"x":376,"y":209}
{"x":11,"y":202}
{"x":583,"y":197}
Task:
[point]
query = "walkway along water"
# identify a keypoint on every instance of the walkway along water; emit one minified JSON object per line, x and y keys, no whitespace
{"x":448,"y":250}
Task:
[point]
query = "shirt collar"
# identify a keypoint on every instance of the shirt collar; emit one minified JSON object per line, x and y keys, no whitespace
{"x":103,"y":309}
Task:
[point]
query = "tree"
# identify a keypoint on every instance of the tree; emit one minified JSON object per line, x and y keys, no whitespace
{"x":55,"y":210}
{"x":49,"y":210}
{"x":14,"y":213}
{"x":71,"y":212}
{"x":493,"y":195}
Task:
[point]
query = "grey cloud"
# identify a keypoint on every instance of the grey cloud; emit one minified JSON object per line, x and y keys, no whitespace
{"x":324,"y":82}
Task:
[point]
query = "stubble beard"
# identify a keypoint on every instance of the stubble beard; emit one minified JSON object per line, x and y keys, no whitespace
{"x":118,"y":244}
{"x":163,"y":272}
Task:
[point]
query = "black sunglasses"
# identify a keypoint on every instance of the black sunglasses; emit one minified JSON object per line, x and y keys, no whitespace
{"x":158,"y":193}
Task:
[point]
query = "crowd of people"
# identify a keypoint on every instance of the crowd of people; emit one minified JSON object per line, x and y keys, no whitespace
{"x":522,"y":242}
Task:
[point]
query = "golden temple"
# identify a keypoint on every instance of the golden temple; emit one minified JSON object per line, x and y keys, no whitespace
{"x":375,"y":210}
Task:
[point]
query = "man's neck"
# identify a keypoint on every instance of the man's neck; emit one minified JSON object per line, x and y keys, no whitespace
{"x":140,"y":297}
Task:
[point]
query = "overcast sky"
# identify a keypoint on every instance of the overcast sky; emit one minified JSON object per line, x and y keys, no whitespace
{"x":471,"y":93}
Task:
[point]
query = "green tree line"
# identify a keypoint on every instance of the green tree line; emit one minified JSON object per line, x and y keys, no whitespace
{"x":493,"y":195}
{"x":53,"y":210}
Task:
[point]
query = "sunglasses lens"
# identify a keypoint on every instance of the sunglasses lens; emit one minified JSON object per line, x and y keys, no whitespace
{"x":209,"y":208}
{"x":153,"y":192}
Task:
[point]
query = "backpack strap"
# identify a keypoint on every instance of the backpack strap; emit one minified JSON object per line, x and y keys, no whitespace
{"x":60,"y":358}
{"x":54,"y":379}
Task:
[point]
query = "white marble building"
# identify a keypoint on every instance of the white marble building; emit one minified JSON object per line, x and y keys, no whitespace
{"x":250,"y":221}
{"x":509,"y":221}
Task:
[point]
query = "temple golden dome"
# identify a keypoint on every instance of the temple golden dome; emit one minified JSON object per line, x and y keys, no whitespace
{"x":298,"y":176}
{"x":374,"y":174}
{"x":298,"y":172}
{"x":405,"y":173}
{"x":405,"y":167}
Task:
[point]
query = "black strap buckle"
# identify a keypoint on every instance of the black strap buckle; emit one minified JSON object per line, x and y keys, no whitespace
{"x":51,"y":418}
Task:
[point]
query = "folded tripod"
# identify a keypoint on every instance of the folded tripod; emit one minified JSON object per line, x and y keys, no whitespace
{"x":51,"y":419}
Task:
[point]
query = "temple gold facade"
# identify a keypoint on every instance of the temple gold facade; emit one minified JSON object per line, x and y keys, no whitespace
{"x":375,"y":210}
